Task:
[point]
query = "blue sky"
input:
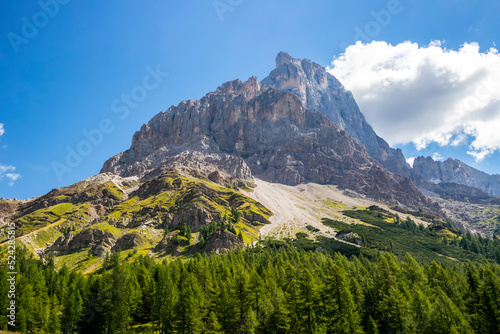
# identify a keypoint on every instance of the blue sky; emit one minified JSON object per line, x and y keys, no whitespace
{"x":73,"y":72}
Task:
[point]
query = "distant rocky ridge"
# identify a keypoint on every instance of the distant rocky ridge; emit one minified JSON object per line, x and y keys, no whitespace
{"x":454,"y":171}
{"x":245,"y":129}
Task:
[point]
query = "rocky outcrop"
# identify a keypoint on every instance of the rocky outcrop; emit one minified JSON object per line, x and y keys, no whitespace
{"x":320,"y":91}
{"x":127,"y":241}
{"x":104,"y":195}
{"x":167,"y":245}
{"x":222,"y":242}
{"x":243,"y":129}
{"x":8,"y":207}
{"x":455,"y":171}
{"x":351,"y":237}
{"x":99,"y":241}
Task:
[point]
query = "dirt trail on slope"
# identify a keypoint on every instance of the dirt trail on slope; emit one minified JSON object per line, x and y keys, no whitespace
{"x":295,"y":207}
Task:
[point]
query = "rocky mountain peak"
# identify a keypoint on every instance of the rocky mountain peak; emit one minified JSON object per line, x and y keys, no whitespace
{"x":301,"y":77}
{"x":320,"y":91}
{"x":246,"y":129}
{"x":283,"y":59}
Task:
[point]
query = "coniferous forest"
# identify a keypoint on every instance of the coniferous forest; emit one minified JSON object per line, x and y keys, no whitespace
{"x":260,"y":290}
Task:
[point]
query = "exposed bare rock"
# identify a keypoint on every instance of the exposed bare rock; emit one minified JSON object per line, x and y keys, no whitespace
{"x":127,"y":241}
{"x":195,"y":216}
{"x":8,"y":207}
{"x":320,"y":91}
{"x":351,"y":237}
{"x":167,"y":245}
{"x":216,"y":177}
{"x":99,"y":241}
{"x":455,"y":171}
{"x":222,"y":242}
{"x":242,"y":129}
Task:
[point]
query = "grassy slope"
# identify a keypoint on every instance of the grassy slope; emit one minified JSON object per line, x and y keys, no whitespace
{"x":382,"y":232}
{"x":172,"y":193}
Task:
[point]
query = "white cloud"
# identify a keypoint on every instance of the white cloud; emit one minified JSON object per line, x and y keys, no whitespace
{"x":426,"y":94}
{"x":13,"y":177}
{"x":437,"y":157}
{"x":9,"y":173}
{"x":410,"y":161}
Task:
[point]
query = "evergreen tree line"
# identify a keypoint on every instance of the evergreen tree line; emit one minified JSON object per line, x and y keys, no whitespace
{"x":476,"y":243}
{"x":257,"y":291}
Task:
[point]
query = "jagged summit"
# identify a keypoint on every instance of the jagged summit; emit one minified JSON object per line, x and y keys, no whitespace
{"x":283,"y":59}
{"x":320,"y":91}
{"x":247,"y":129}
{"x":455,"y":171}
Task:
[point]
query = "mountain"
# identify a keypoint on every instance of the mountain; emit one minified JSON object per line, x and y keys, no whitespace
{"x":247,"y":129}
{"x":108,"y":213}
{"x":248,"y":160}
{"x":455,"y":171}
{"x":320,"y":91}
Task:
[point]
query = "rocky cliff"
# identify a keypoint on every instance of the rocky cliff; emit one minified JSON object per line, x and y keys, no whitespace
{"x":320,"y":91}
{"x":245,"y":129}
{"x":455,"y":171}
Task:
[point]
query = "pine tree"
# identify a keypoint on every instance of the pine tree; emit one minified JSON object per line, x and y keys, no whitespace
{"x":412,"y":271}
{"x":53,"y":321}
{"x":25,"y":317}
{"x":490,"y":300}
{"x":340,"y":307}
{"x":371,"y":326}
{"x":165,"y":303}
{"x":183,"y":230}
{"x":447,"y":315}
{"x":212,"y":325}
{"x":279,"y":320}
{"x":119,"y":313}
{"x":250,"y":322}
{"x":190,"y":307}
{"x":4,"y":300}
{"x":421,"y":310}
{"x":395,"y":311}
{"x":235,"y":215}
{"x":72,"y":310}
{"x":95,"y":306}
{"x":310,"y":302}
{"x":148,"y":290}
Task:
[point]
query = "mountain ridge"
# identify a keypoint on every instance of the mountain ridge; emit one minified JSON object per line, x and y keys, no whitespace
{"x":263,"y":132}
{"x":456,"y":171}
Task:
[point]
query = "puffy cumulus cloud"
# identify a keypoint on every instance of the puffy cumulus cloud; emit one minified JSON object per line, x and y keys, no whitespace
{"x":424,"y":94}
{"x":8,"y":172}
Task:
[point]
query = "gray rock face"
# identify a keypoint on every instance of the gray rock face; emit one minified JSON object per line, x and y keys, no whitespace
{"x":455,"y":171}
{"x":222,"y":242}
{"x":127,"y":241}
{"x":243,"y":129}
{"x":320,"y":91}
{"x":99,"y":241}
